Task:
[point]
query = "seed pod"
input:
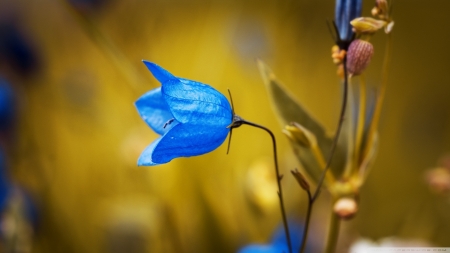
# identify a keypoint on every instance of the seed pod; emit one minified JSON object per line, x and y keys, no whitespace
{"x":358,"y":56}
{"x":345,"y":208}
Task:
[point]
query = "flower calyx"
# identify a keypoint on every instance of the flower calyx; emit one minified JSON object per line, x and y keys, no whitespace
{"x":382,"y":11}
{"x":236,"y":122}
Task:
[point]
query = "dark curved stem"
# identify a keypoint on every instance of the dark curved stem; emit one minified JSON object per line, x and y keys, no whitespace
{"x":338,"y":131}
{"x":306,"y":227}
{"x":279,"y":177}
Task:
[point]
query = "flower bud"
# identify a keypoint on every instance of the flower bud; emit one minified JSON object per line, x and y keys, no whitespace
{"x":300,"y":135}
{"x":382,"y":6}
{"x":367,"y":25}
{"x":300,"y":179}
{"x":345,"y":208}
{"x":337,"y":54}
{"x":358,"y":56}
{"x":375,"y":11}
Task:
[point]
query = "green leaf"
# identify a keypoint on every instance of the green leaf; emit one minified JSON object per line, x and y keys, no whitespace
{"x":288,"y":109}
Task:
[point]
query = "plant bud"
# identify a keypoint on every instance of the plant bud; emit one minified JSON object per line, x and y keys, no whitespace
{"x":367,"y":25}
{"x":375,"y":11}
{"x":382,"y":6}
{"x":337,"y":54}
{"x":300,"y":179}
{"x":345,"y":208}
{"x":300,"y":135}
{"x":358,"y":56}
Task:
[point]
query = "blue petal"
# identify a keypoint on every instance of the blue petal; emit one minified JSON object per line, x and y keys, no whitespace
{"x":346,"y":11}
{"x":185,"y":140}
{"x":155,"y":111}
{"x":195,"y":102}
{"x":254,"y":248}
{"x":159,"y":73}
{"x":295,"y":231}
{"x":146,"y":157}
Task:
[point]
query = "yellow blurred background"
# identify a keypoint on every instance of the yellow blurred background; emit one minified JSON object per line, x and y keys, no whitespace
{"x":79,"y":134}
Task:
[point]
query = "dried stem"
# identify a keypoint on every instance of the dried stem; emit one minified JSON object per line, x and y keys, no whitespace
{"x":334,"y":222}
{"x":308,"y":218}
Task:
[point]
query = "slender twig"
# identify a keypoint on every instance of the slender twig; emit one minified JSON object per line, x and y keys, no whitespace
{"x":338,"y":131}
{"x":279,"y":177}
{"x":332,"y":236}
{"x":308,"y":218}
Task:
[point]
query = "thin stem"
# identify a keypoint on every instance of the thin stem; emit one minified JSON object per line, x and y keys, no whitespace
{"x":279,"y":177}
{"x":338,"y":131}
{"x":308,"y":218}
{"x":333,"y":233}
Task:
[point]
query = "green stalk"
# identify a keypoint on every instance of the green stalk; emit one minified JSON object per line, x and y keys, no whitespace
{"x":338,"y":132}
{"x":333,"y":233}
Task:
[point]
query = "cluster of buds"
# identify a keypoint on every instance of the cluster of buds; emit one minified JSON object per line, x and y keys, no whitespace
{"x":360,"y":51}
{"x":338,"y":56}
{"x":381,"y":9}
{"x":358,"y":55}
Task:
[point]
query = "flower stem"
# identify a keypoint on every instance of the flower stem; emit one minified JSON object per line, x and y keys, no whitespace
{"x":333,"y":233}
{"x":334,"y":222}
{"x":308,"y":218}
{"x":279,"y":177}
{"x":338,"y":131}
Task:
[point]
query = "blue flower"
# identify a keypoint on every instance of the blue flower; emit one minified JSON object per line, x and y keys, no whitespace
{"x":7,"y":107}
{"x":346,"y":11}
{"x":279,"y":242}
{"x":191,"y":117}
